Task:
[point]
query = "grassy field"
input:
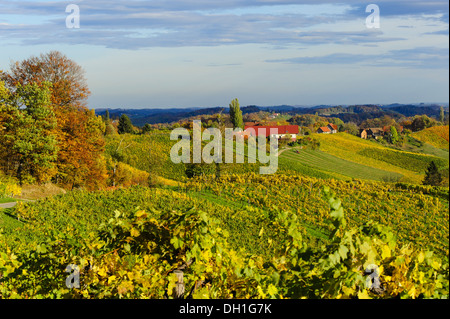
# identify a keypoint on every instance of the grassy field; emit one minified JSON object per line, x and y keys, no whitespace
{"x":414,"y":145}
{"x":413,"y":213}
{"x":79,"y":213}
{"x":329,"y":163}
{"x":7,"y":200}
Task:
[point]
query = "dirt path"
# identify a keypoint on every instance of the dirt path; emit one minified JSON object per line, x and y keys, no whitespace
{"x":31,"y":193}
{"x":12,"y":204}
{"x":289,"y":148}
{"x":8,"y":205}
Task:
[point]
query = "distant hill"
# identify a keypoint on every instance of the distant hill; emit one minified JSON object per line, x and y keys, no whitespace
{"x":411,"y":110}
{"x":351,"y":113}
{"x":140,"y":117}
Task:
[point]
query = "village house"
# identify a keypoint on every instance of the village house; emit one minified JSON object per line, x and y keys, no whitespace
{"x":333,"y":128}
{"x":378,"y":132}
{"x":324,"y":130}
{"x":329,"y":129}
{"x":283,"y":131}
{"x":363,"y":134}
{"x":373,"y":132}
{"x":274,"y":115}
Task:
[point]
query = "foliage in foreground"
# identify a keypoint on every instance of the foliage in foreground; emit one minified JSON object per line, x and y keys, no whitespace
{"x":417,"y":214}
{"x":135,"y":255}
{"x":8,"y":187}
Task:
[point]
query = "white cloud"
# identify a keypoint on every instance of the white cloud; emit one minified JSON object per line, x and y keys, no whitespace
{"x":120,"y":24}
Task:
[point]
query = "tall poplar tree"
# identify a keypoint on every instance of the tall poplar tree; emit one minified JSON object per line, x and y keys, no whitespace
{"x":236,"y":114}
{"x":394,"y":135}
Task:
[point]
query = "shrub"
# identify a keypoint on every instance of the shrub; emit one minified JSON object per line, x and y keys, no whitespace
{"x":9,"y":187}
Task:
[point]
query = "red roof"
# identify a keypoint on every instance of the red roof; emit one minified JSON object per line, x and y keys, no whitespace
{"x":334,"y":126}
{"x":324,"y":129}
{"x":281,"y":129}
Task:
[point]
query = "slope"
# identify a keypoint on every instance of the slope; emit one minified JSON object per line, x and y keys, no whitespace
{"x":437,"y":136}
{"x":354,"y":149}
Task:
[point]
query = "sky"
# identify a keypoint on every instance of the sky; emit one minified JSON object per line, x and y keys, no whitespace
{"x":205,"y":53}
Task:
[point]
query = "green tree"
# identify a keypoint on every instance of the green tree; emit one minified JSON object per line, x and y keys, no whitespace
{"x":394,"y":135}
{"x":236,"y":114}
{"x":106,"y":117}
{"x":441,"y":115}
{"x":421,"y":122}
{"x":78,"y":133}
{"x":432,"y":175}
{"x":200,"y":169}
{"x":28,"y":143}
{"x":109,"y":127}
{"x":125,"y":125}
{"x":146,"y":128}
{"x":306,"y":120}
{"x":350,"y":128}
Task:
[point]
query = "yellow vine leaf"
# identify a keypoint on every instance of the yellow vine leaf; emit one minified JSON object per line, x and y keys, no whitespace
{"x":363,"y":295}
{"x":385,"y":252}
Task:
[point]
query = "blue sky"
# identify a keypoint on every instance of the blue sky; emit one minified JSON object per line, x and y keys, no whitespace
{"x":163,"y":53}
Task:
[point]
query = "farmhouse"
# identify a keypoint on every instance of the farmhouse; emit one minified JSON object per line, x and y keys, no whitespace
{"x":324,"y":130}
{"x":373,"y":132}
{"x":363,"y":133}
{"x":283,"y":131}
{"x":329,"y":129}
{"x":333,"y":128}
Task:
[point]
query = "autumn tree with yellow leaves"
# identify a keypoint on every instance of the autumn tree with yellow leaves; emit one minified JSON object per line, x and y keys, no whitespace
{"x":77,"y":131}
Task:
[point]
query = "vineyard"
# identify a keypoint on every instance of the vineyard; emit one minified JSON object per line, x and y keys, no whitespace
{"x":151,"y":153}
{"x":437,"y":136}
{"x":415,"y":215}
{"x":336,"y":166}
{"x":340,"y":156}
{"x":369,"y":153}
{"x":239,"y":236}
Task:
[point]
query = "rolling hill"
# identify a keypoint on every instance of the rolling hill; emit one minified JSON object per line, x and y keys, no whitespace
{"x":437,"y":136}
{"x":354,"y":157}
{"x":340,"y":156}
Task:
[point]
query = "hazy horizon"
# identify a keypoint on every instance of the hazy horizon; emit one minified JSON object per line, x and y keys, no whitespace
{"x":445,"y":104}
